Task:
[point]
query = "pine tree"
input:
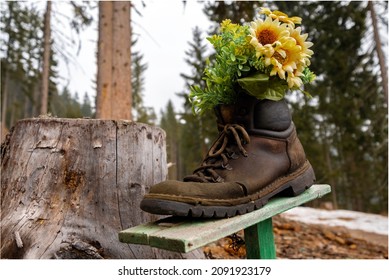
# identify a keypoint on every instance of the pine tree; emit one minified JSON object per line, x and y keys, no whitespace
{"x":172,"y":128}
{"x":141,"y":113}
{"x":86,"y":107}
{"x":198,"y":131}
{"x":79,"y":20}
{"x":20,"y":56}
{"x":236,"y":11}
{"x":64,"y":105}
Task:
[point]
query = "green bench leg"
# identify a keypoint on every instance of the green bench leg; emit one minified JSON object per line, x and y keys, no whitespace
{"x":259,"y":240}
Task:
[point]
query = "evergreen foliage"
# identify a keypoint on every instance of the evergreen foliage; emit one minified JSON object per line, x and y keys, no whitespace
{"x":63,"y":105}
{"x":20,"y":56}
{"x":141,"y":113}
{"x":198,"y":130}
{"x":189,"y":137}
{"x":21,"y":60}
{"x":238,"y":12}
{"x":172,"y":128}
{"x":21,"y":51}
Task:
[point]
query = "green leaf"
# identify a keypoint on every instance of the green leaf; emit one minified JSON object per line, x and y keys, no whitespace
{"x":261,"y":86}
{"x":275,"y":91}
{"x":255,"y":84}
{"x":258,"y":76}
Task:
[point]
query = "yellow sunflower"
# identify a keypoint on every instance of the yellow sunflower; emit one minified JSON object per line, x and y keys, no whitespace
{"x":285,"y":60}
{"x":294,"y":79}
{"x":267,"y":35}
{"x":306,"y":53}
{"x":282,"y":17}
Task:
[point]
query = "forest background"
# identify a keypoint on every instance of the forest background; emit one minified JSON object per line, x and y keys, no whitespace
{"x":344,"y":127}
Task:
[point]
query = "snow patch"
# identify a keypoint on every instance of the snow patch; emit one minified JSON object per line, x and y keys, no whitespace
{"x":349,"y":219}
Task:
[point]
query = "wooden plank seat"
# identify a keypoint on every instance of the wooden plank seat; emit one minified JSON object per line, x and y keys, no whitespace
{"x":186,"y":234}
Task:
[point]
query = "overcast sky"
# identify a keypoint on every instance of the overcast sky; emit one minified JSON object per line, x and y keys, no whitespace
{"x":165,"y":28}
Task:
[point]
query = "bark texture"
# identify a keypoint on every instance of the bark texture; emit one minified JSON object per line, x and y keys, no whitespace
{"x":380,"y":53}
{"x":46,"y":60}
{"x":69,"y":186}
{"x":114,"y":99}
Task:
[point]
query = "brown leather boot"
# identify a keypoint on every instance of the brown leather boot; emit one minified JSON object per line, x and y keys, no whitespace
{"x":256,"y":156}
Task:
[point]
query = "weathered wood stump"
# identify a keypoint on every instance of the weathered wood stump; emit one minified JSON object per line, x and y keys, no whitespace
{"x":68,"y":186}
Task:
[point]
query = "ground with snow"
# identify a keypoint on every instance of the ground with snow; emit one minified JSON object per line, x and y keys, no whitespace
{"x":308,"y":233}
{"x":348,"y":219}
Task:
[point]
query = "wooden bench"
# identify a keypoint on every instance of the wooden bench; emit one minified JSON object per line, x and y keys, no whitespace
{"x":184,"y":234}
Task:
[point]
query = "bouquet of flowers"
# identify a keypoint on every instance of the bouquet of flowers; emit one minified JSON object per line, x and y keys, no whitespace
{"x":266,"y":59}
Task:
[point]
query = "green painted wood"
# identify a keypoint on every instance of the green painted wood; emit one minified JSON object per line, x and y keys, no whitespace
{"x":259,"y":239}
{"x":140,"y":234}
{"x":185,"y":235}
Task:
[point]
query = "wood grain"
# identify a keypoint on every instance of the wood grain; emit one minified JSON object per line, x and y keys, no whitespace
{"x":67,"y":182}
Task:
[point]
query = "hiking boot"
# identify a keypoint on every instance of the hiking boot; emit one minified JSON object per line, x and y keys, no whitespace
{"x":256,"y":156}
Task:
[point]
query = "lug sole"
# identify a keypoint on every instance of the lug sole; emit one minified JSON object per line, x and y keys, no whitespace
{"x":293,"y":187}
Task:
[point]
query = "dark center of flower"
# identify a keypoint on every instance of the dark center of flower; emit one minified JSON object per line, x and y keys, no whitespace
{"x":266,"y":37}
{"x":279,"y":57}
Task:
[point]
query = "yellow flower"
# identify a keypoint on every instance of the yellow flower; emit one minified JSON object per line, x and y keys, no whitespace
{"x":282,"y":17}
{"x":294,"y":79}
{"x":227,"y":25}
{"x":306,"y":53}
{"x":285,"y":60}
{"x":267,"y":35}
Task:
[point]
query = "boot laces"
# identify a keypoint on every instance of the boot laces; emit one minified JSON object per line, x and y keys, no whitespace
{"x":227,"y":146}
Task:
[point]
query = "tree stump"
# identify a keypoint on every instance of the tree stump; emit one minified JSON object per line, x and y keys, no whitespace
{"x":68,"y":186}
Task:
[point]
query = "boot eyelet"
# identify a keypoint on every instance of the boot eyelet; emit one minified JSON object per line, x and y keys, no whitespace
{"x":227,"y":166}
{"x":232,"y":155}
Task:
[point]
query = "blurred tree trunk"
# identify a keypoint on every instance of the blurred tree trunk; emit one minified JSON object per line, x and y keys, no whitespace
{"x":114,"y":61}
{"x":46,"y":60}
{"x":3,"y":128}
{"x":5,"y":81}
{"x":380,"y":53}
